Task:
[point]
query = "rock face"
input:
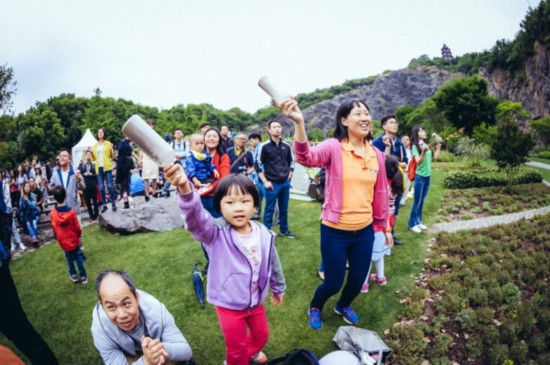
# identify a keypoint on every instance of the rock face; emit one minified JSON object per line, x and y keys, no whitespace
{"x":157,"y":215}
{"x":384,"y":96}
{"x":532,"y":91}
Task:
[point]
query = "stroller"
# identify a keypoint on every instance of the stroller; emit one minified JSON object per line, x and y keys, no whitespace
{"x":316,"y":187}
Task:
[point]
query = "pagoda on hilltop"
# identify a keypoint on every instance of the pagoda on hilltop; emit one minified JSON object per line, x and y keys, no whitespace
{"x":446,"y":54}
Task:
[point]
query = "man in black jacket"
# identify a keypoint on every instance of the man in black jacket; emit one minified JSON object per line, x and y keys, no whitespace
{"x":275,"y":165}
{"x":87,"y":170}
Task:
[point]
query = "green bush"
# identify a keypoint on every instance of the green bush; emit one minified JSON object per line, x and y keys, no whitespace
{"x":467,"y":180}
{"x":510,"y":293}
{"x":544,"y":154}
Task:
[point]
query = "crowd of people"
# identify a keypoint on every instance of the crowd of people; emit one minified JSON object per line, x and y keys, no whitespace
{"x":220,"y":184}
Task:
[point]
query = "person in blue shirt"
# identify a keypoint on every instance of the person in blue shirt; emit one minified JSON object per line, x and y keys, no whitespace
{"x":390,"y":144}
{"x":242,"y":161}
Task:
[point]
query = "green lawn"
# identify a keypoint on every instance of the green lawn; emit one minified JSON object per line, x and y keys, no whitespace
{"x":161,"y":264}
{"x":545,"y":173}
{"x":541,"y":160}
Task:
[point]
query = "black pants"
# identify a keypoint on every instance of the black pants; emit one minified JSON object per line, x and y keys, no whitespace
{"x":15,"y":325}
{"x":90,"y":197}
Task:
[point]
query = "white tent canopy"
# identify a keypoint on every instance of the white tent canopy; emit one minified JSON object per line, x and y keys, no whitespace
{"x":88,"y":140}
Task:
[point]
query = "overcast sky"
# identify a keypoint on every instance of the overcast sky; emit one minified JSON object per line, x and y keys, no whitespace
{"x":164,"y":53}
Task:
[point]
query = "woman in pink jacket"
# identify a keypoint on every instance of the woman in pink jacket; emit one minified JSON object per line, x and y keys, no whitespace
{"x":355,"y":198}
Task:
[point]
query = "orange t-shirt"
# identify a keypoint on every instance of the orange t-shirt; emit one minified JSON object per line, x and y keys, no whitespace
{"x":359,"y":176}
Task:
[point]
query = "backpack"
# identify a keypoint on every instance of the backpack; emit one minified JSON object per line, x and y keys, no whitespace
{"x":412,"y":169}
{"x":296,"y":357}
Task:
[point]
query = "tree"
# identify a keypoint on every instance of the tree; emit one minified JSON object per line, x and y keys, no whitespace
{"x":465,"y":102}
{"x":508,"y":111}
{"x":42,"y":134}
{"x":542,"y":127}
{"x":316,"y":135}
{"x":70,"y":111}
{"x":7,"y":88}
{"x":512,"y":148}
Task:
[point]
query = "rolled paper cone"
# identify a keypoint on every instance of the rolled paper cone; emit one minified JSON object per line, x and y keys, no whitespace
{"x":148,"y":140}
{"x":271,"y":90}
{"x":437,"y":137}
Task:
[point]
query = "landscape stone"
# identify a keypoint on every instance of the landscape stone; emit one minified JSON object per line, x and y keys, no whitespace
{"x":156,"y":215}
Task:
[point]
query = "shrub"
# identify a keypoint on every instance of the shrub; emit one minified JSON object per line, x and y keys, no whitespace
{"x":544,"y":154}
{"x":441,"y":344}
{"x":467,"y":180}
{"x":472,"y":151}
{"x":510,"y":293}
{"x":498,"y":354}
{"x":467,"y":319}
{"x":512,"y":154}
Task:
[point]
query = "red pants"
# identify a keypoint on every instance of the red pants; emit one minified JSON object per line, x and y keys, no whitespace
{"x":241,"y":345}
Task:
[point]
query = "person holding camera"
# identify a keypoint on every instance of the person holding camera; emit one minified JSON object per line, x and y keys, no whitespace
{"x":422,"y":154}
{"x":242,"y":161}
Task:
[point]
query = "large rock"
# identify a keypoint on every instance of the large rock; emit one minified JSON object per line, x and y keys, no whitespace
{"x":384,"y":96}
{"x":531,"y":89}
{"x":157,"y":215}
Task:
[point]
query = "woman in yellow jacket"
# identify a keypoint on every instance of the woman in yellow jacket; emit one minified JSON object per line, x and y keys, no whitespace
{"x":103,"y":154}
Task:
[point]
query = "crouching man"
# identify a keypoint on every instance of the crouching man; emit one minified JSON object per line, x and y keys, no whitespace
{"x":130,"y":326}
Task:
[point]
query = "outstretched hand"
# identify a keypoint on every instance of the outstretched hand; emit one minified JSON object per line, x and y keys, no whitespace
{"x":175,"y":175}
{"x":291,"y":110}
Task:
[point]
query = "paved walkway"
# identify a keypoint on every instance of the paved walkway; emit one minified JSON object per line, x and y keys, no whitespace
{"x":488,"y":221}
{"x":538,"y":164}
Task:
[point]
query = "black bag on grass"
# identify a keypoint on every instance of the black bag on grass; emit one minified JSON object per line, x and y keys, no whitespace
{"x":296,"y":357}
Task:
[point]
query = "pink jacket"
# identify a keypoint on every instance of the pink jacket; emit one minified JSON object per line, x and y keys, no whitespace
{"x":328,"y":154}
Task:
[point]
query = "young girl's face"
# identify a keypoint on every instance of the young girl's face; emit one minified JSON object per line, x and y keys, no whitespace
{"x":27,"y":188}
{"x":237,"y":209}
{"x":197,"y":144}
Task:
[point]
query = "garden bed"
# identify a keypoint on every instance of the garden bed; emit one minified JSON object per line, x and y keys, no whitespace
{"x":464,"y":204}
{"x":482,"y":298}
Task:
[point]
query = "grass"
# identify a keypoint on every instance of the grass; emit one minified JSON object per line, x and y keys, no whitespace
{"x":541,"y":160}
{"x":161,"y":264}
{"x":545,"y":173}
{"x":482,"y":202}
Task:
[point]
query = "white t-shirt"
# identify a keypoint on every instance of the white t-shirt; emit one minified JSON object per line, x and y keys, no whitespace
{"x":250,"y":247}
{"x":64,"y":177}
{"x":100,"y":155}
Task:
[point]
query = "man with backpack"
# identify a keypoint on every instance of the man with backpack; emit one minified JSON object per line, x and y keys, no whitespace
{"x":181,"y":147}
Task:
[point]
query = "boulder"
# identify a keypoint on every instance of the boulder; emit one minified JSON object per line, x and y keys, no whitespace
{"x":156,"y":215}
{"x":384,"y":96}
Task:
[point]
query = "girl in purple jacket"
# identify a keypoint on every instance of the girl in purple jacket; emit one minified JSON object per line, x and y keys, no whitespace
{"x":243,"y":261}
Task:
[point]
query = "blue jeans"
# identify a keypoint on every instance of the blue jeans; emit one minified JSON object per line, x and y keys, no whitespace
{"x":101,"y":176}
{"x":337,"y":247}
{"x":76,"y":255}
{"x":32,"y":226}
{"x":421,"y":188}
{"x":280,"y":193}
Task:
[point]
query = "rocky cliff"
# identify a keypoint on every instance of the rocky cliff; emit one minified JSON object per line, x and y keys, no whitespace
{"x":412,"y":86}
{"x":531,"y":88}
{"x":389,"y":91}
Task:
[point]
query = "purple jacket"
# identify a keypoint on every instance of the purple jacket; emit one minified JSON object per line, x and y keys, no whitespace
{"x":230,"y":272}
{"x":328,"y":154}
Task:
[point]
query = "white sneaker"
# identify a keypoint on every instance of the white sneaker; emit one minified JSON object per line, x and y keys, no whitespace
{"x":416,"y":229}
{"x":422,"y":227}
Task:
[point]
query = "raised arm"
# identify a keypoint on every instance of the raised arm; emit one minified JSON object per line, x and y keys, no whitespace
{"x":291,"y":110}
